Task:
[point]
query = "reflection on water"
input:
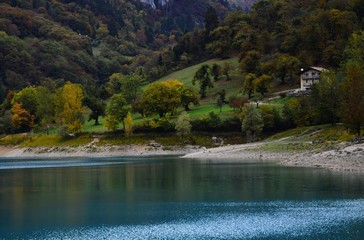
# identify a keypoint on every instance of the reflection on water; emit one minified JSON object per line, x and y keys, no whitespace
{"x":175,"y":198}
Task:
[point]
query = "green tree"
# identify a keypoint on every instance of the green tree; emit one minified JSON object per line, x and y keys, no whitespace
{"x":183,"y":125}
{"x":117,"y":108}
{"x":131,"y":86}
{"x":46,"y":107}
{"x":324,"y":98}
{"x":248,"y":86}
{"x":221,"y":99}
{"x":250,"y":63}
{"x":27,"y":97}
{"x":203,"y":76}
{"x":286,"y":66}
{"x":161,"y":98}
{"x":226,"y":71}
{"x":97,"y":107}
{"x":114,"y":84}
{"x":353,"y":97}
{"x":216,"y":72}
{"x":297,"y":112}
{"x":252,"y":124}
{"x":221,"y":41}
{"x":188,"y":96}
{"x":261,"y":84}
{"x":211,"y":20}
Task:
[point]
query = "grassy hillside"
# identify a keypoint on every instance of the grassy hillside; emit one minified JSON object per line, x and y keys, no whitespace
{"x":231,"y":87}
{"x":208,"y":104}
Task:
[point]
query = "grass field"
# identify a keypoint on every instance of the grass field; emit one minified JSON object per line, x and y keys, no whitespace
{"x":208,"y":104}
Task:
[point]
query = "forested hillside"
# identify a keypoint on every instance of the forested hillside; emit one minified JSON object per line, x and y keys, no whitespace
{"x":53,"y":41}
{"x":109,"y":49}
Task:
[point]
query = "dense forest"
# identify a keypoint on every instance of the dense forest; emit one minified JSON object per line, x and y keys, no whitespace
{"x":50,"y":42}
{"x":50,"y":47}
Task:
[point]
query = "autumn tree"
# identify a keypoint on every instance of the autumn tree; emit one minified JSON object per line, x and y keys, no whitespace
{"x":21,"y":118}
{"x":27,"y":97}
{"x":69,"y":108}
{"x":203,"y":76}
{"x":128,"y":121}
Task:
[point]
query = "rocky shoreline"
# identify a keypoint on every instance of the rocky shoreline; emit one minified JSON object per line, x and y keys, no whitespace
{"x":346,"y":157}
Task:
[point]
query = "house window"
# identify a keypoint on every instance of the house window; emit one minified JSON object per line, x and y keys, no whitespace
{"x":313,"y":73}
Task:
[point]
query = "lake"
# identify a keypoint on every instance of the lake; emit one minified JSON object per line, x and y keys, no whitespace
{"x":172,"y":198}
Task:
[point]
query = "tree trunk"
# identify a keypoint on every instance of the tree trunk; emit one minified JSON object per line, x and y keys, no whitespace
{"x":97,"y":123}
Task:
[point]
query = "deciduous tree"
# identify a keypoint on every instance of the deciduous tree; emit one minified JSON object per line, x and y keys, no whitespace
{"x":216,"y":72}
{"x":353,"y":97}
{"x":97,"y":107}
{"x":130,"y":86}
{"x":161,"y":98}
{"x":261,"y":84}
{"x":183,"y":125}
{"x":248,"y":86}
{"x":324,"y":98}
{"x":27,"y":97}
{"x":203,"y":76}
{"x":69,"y":108}
{"x":188,"y":96}
{"x":252,"y":124}
{"x":117,"y":108}
{"x":21,"y":118}
{"x":128,"y":121}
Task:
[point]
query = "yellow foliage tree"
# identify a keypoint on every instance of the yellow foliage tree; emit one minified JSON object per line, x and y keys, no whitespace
{"x":128,"y":122}
{"x":111,"y":123}
{"x":69,"y":107}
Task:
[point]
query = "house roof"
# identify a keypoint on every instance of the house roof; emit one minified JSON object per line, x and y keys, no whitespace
{"x":320,"y":69}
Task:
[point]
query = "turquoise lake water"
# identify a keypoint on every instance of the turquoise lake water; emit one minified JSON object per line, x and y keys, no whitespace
{"x":172,"y":198}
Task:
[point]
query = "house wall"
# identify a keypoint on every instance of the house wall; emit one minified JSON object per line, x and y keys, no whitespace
{"x":309,"y":78}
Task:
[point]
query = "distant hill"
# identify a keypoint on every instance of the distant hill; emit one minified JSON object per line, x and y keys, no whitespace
{"x":243,"y":4}
{"x":84,"y":41}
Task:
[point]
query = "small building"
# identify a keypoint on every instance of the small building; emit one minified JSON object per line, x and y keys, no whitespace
{"x":310,"y":76}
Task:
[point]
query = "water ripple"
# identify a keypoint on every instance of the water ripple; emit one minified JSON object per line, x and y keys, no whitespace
{"x":329,"y":219}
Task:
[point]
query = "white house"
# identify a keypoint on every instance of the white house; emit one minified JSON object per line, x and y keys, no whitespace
{"x":310,"y":76}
